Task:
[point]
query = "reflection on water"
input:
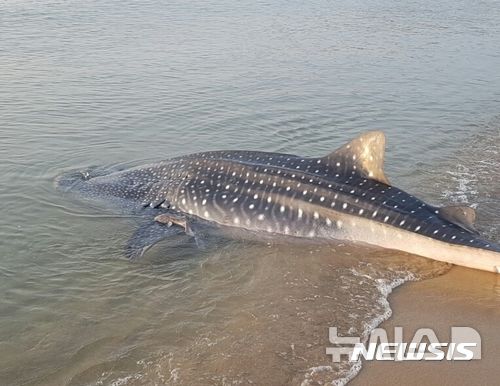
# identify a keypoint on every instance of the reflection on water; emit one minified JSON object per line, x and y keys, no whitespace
{"x":108,"y":82}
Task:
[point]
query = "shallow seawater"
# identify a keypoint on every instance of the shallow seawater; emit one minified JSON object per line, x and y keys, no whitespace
{"x":99,"y":83}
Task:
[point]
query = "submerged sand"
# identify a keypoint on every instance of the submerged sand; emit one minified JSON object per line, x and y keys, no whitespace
{"x":461,"y":297}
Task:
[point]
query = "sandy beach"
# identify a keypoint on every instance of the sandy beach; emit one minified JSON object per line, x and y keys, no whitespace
{"x":461,"y":297}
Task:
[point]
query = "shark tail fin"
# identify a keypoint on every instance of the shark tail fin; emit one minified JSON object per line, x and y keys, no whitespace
{"x":364,"y":155}
{"x":462,"y":216}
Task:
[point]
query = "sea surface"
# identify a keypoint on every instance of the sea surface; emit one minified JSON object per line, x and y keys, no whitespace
{"x":86,"y":83}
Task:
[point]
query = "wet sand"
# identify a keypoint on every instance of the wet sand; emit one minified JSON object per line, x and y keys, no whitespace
{"x":461,"y":297}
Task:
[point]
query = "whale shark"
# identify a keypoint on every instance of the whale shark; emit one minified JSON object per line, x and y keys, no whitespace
{"x":341,"y":196}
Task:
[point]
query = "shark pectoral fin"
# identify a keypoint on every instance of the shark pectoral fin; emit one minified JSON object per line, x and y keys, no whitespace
{"x":146,"y":236}
{"x":463,"y":216}
{"x":364,"y":155}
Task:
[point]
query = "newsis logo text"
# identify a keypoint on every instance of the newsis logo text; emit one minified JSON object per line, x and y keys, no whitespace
{"x":464,"y":345}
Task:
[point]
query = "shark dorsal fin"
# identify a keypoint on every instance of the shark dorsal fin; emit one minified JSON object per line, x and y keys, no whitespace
{"x":364,"y":154}
{"x":463,"y":216}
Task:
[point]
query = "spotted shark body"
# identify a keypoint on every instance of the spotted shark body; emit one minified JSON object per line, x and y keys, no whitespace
{"x":342,"y":196}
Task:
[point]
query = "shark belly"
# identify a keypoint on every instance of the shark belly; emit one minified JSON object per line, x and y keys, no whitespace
{"x":358,"y":229}
{"x":316,"y":223}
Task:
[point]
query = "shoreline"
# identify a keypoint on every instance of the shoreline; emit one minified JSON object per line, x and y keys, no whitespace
{"x":461,"y":297}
